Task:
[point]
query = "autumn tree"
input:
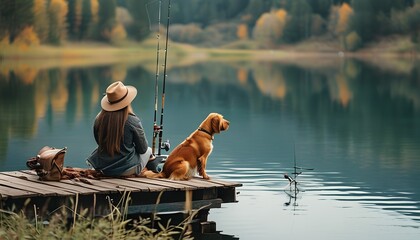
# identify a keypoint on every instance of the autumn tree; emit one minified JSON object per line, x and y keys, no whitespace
{"x":26,"y":38}
{"x":41,"y":20}
{"x":269,"y":28}
{"x":57,"y":12}
{"x":242,"y":32}
{"x":339,"y":23}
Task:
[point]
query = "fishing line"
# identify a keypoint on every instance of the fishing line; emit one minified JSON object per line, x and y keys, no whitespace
{"x":155,"y":127}
{"x":149,"y":15}
{"x":164,"y":81}
{"x":158,"y":129}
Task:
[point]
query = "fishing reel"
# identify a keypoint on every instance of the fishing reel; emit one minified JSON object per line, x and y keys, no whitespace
{"x":166,"y":145}
{"x":156,"y":165}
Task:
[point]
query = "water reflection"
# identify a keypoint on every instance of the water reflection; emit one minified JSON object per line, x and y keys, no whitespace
{"x":356,"y":123}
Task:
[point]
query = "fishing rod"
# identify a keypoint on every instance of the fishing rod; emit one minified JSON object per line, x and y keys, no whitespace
{"x":155,"y":126}
{"x":166,"y":144}
{"x":292,"y":180}
{"x":158,"y":129}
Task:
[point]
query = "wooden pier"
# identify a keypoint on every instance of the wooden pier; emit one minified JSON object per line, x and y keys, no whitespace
{"x":23,"y":191}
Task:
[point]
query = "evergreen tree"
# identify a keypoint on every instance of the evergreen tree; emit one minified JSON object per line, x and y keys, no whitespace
{"x":321,"y":7}
{"x":364,"y":21}
{"x":106,"y":21}
{"x":257,"y":7}
{"x":140,"y":10}
{"x":74,"y":18}
{"x":86,"y":19}
{"x":15,"y":16}
{"x":298,"y":27}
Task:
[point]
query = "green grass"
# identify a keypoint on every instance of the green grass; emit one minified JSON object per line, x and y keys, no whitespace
{"x":115,"y":225}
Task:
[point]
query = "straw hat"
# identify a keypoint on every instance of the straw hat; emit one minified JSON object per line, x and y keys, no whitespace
{"x":118,"y":96}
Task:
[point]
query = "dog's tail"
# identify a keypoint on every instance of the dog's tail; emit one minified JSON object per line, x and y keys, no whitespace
{"x":151,"y":174}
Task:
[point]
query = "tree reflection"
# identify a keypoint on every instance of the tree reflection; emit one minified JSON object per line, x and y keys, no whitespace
{"x":356,"y":96}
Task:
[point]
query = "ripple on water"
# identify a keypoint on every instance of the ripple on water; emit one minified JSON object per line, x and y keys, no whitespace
{"x":323,"y":185}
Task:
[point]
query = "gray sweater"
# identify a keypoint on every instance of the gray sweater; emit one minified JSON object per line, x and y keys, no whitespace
{"x":134,"y":143}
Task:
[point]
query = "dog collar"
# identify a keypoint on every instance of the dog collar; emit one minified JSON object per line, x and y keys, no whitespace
{"x":204,"y":130}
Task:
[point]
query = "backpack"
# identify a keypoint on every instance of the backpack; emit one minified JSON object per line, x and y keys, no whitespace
{"x":48,"y":163}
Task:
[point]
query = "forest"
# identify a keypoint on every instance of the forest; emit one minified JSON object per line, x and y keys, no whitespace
{"x":210,"y":23}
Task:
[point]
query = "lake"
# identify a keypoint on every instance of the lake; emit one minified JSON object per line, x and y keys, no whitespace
{"x":355,"y":122}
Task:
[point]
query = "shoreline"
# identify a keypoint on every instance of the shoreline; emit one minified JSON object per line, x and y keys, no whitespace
{"x":92,"y":54}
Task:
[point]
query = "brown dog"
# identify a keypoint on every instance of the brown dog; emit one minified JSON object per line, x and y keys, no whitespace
{"x":191,"y":155}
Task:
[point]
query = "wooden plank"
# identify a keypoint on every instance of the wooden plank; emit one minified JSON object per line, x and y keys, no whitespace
{"x":174,"y":185}
{"x":152,"y":187}
{"x":134,"y":186}
{"x":225,"y":183}
{"x":7,"y":192}
{"x":60,"y":188}
{"x":28,"y":185}
{"x":207,"y":183}
{"x":185,"y":183}
{"x":87,"y":185}
{"x":71,"y":181}
{"x":110,"y":187}
{"x":198,"y":184}
{"x":174,"y":206}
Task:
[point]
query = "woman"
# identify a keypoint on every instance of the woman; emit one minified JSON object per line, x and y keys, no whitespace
{"x":122,"y":146}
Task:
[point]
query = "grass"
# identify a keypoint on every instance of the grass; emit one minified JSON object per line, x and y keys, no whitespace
{"x":115,"y":225}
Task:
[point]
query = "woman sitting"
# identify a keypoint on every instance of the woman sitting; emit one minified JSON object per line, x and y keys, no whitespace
{"x":122,"y":146}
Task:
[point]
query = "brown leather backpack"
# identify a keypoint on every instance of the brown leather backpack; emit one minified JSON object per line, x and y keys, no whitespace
{"x":48,"y":163}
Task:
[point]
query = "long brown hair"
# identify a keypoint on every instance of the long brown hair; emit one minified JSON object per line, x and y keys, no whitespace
{"x":110,"y":129}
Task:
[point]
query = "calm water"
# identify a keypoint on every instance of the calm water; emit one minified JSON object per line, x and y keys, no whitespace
{"x":356,"y":124}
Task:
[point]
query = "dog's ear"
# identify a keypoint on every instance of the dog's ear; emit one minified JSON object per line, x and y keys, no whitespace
{"x":215,"y":123}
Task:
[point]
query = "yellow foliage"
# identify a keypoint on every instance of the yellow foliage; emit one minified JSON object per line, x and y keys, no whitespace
{"x":242,"y":32}
{"x":26,"y":73}
{"x":4,"y":71}
{"x":118,"y":33}
{"x":95,"y":94}
{"x":242,"y":75}
{"x":61,"y":8}
{"x":94,"y":5}
{"x":344,"y":14}
{"x":40,"y":19}
{"x":40,"y":100}
{"x":58,"y":10}
{"x":352,"y":41}
{"x":281,"y":14}
{"x":78,"y":15}
{"x":261,"y":20}
{"x":270,"y":80}
{"x":26,"y":38}
{"x":269,"y":27}
{"x":60,"y":95}
{"x":344,"y":92}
